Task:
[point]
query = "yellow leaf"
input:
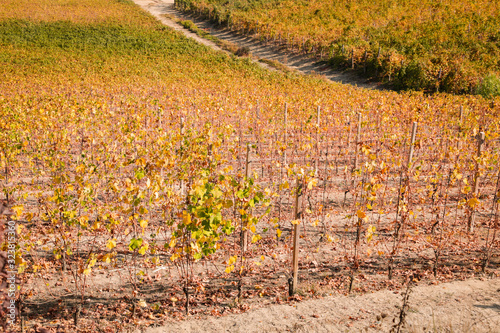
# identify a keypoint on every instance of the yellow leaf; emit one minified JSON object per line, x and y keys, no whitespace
{"x":473,"y":202}
{"x":278,"y":233}
{"x":80,"y":168}
{"x":172,"y":242}
{"x":369,"y":238}
{"x":312,"y":183}
{"x":229,"y":269}
{"x":252,"y":228}
{"x":295,"y":221}
{"x":18,"y":209}
{"x":141,"y":162}
{"x":143,"y":224}
{"x":87,"y":271}
{"x":143,"y":249}
{"x":361,"y":214}
{"x":111,"y":243}
{"x":29,"y":216}
{"x":186,"y":217}
{"x":92,"y":262}
{"x":83,"y":220}
{"x":232,"y":260}
{"x":256,"y":238}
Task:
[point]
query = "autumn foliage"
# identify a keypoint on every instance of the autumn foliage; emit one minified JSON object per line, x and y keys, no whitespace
{"x":128,"y":151}
{"x":421,"y":45}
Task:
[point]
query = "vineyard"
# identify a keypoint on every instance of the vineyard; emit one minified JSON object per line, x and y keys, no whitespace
{"x":152,"y":179}
{"x":450,"y":46}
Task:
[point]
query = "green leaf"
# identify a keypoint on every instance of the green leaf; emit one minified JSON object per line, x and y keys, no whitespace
{"x":139,"y":174}
{"x":135,"y":244}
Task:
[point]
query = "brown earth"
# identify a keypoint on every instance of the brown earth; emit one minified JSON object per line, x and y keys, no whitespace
{"x":461,"y":306}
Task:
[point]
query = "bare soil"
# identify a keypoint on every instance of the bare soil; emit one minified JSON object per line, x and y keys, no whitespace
{"x":460,"y":306}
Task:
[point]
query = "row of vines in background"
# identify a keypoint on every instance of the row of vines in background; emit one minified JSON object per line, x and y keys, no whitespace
{"x":166,"y":182}
{"x":450,"y":46}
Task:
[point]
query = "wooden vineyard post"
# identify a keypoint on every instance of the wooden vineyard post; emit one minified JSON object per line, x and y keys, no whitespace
{"x":247,"y":162}
{"x":412,"y":144}
{"x":358,"y":140}
{"x":295,"y":254}
{"x":376,"y":62}
{"x":256,"y":131}
{"x":459,"y":134}
{"x":460,"y":127}
{"x":182,"y":126}
{"x":240,"y":135}
{"x":244,"y":230}
{"x":475,"y":186}
{"x":257,"y":139}
{"x":347,"y":159}
{"x":285,"y":138}
{"x":182,"y":131}
{"x":318,"y":151}
{"x":401,"y":194}
{"x":365,"y":59}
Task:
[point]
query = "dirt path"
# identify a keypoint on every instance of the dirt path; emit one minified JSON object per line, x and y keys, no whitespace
{"x":158,"y":8}
{"x":462,"y":306}
{"x":258,"y":50}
